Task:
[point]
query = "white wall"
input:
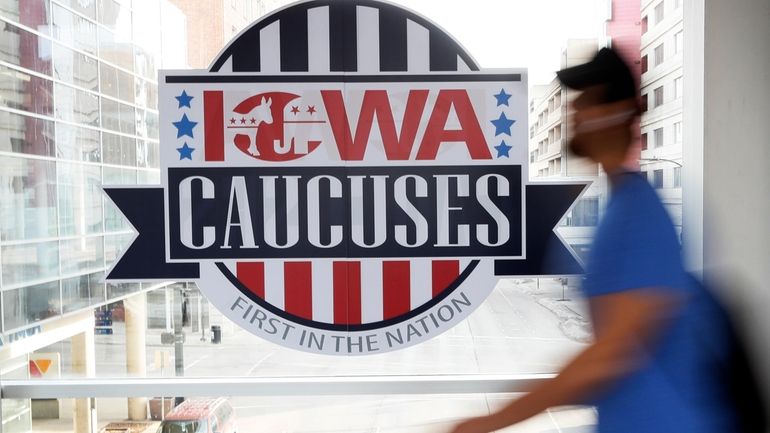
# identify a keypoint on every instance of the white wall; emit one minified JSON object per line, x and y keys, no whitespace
{"x":727,"y":150}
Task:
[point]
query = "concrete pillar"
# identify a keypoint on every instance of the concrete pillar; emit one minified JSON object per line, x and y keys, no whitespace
{"x":136,"y":349}
{"x":726,"y":189}
{"x":84,"y":365}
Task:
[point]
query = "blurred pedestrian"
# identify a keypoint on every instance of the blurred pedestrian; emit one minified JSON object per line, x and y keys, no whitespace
{"x":644,"y":371}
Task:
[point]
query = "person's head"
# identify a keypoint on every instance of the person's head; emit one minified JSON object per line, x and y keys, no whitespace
{"x":605,"y":109}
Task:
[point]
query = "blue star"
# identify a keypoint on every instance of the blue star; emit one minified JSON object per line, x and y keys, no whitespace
{"x":502,"y":125}
{"x":502,"y":98}
{"x":184,"y":99}
{"x":185,"y":152}
{"x":184,"y":127}
{"x":502,"y":150}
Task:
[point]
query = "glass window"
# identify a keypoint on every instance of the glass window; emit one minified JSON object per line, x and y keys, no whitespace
{"x":119,"y":150}
{"x":22,"y":48}
{"x":116,"y":48}
{"x":84,"y":7}
{"x":644,"y":103}
{"x":644,"y":24}
{"x":659,"y":12}
{"x":116,"y":83}
{"x":677,"y":88}
{"x":677,"y":177}
{"x":25,"y":92}
{"x":146,"y":36}
{"x":678,"y":41}
{"x":657,"y":97}
{"x":644,"y":141}
{"x":26,"y":134}
{"x":113,"y":218}
{"x":114,"y":245}
{"x":77,"y":143}
{"x":27,"y":263}
{"x":118,"y":117}
{"x":75,"y":293}
{"x":585,"y":213}
{"x":644,"y":63}
{"x":657,"y":178}
{"x":76,"y":105}
{"x":78,"y":256}
{"x":116,"y":290}
{"x":31,"y":13}
{"x":28,"y":197}
{"x":658,"y":137}
{"x":75,"y":68}
{"x":80,"y":199}
{"x":30,"y":304}
{"x":659,"y":54}
{"x":678,"y":132}
{"x":114,"y":15}
{"x":148,"y":177}
{"x":74,"y":30}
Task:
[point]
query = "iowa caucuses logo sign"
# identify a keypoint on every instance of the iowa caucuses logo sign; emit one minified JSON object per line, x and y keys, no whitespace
{"x":344,"y":180}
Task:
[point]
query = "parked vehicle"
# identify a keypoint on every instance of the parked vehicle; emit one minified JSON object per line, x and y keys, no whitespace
{"x":209,"y":415}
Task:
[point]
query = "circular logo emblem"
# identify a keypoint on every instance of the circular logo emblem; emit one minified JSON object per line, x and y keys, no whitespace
{"x":343,"y":180}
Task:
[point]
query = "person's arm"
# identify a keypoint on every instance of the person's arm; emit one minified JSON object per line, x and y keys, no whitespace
{"x":625,"y":322}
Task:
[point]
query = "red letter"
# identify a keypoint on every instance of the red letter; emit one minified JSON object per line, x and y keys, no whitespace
{"x":375,"y":102}
{"x":469,"y":132}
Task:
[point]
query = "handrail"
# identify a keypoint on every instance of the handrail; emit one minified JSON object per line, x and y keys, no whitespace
{"x":270,"y":386}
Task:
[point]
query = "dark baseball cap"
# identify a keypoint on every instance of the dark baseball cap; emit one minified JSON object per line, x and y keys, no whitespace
{"x":606,"y":68}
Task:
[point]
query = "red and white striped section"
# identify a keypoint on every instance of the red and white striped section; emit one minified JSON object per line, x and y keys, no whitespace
{"x":348,"y":292}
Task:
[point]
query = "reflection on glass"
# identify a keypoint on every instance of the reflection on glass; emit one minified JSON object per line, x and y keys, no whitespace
{"x":74,"y":30}
{"x":77,"y":143}
{"x":85,"y":7}
{"x":25,"y":49}
{"x":26,"y":134}
{"x":116,"y":48}
{"x":146,"y":37}
{"x":76,"y":105}
{"x":76,"y":293}
{"x":29,"y":262}
{"x":75,"y":68}
{"x":117,"y":83}
{"x":28,"y":197}
{"x":118,"y":117}
{"x":115,"y":290}
{"x":25,"y":92}
{"x":114,"y":245}
{"x":81,"y":255}
{"x":119,"y":149}
{"x":115,"y":16}
{"x":80,"y":199}
{"x":31,"y":13}
{"x":113,"y":218}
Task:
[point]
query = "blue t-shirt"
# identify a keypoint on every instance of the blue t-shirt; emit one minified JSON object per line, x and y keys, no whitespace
{"x":636,"y":247}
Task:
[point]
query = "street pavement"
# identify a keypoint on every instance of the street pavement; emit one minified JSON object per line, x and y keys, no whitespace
{"x":521,"y":328}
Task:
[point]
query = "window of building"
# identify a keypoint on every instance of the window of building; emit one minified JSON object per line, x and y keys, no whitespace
{"x":585,"y":213}
{"x":677,"y":177}
{"x":644,"y":25}
{"x":644,"y":63}
{"x":678,"y":40}
{"x":644,"y":103}
{"x":657,"y":97}
{"x":678,"y":132}
{"x":659,"y":54}
{"x":658,"y":137}
{"x":677,"y":88}
{"x":657,"y":179}
{"x":644,"y":141}
{"x":659,"y":12}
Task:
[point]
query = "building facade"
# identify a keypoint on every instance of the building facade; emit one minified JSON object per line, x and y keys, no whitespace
{"x":549,"y":157}
{"x":78,"y":86}
{"x":662,"y":91}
